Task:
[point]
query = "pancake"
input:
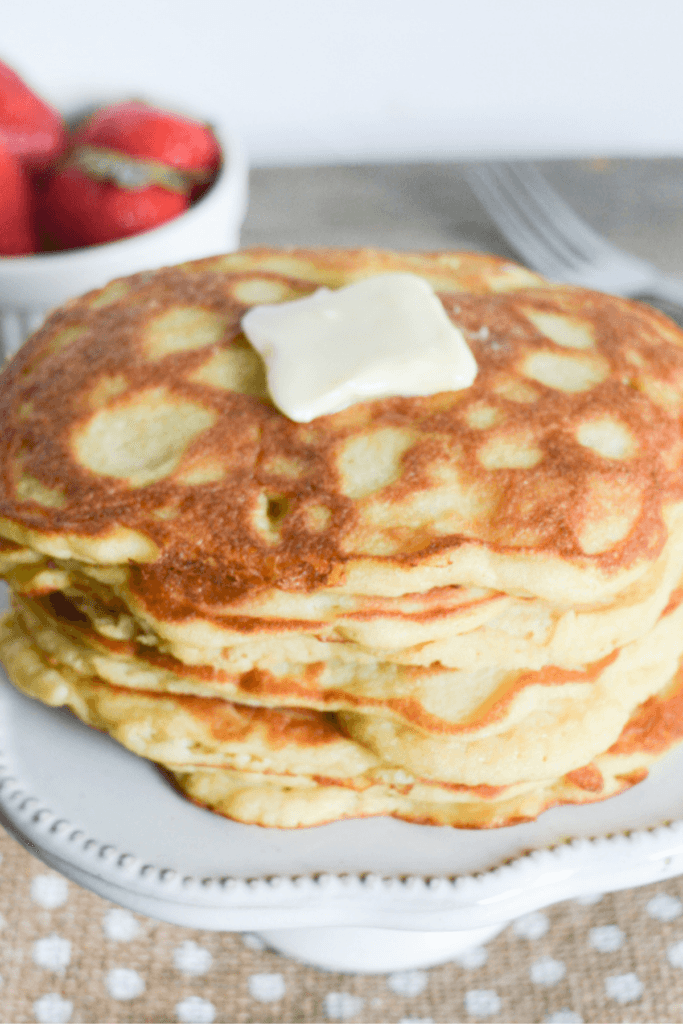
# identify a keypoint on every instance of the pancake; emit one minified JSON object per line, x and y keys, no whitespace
{"x":456,"y":627}
{"x":184,"y":730}
{"x":290,"y":768}
{"x":138,"y":428}
{"x":654,"y":729}
{"x":471,"y":731}
{"x":294,"y":803}
{"x":448,"y":608}
{"x":433,"y":699}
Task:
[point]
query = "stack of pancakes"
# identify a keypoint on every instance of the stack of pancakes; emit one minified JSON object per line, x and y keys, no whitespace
{"x":458,"y":609}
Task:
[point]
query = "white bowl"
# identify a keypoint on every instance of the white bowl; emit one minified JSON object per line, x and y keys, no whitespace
{"x":30,"y":286}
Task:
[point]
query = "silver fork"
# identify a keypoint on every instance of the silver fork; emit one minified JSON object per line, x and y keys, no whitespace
{"x":555,"y":241}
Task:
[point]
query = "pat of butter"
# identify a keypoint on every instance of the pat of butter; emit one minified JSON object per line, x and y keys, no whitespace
{"x":377,"y":338}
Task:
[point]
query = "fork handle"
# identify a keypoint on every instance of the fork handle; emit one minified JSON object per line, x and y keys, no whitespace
{"x":664,"y":287}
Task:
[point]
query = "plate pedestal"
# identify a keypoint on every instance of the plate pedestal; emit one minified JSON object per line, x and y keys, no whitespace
{"x":346,"y":949}
{"x":375,"y":950}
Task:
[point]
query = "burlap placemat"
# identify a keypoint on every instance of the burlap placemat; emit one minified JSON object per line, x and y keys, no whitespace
{"x":69,"y":956}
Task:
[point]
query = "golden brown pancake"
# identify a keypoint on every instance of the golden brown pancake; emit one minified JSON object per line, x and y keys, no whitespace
{"x":521,"y":730}
{"x":468,"y":593}
{"x":138,"y":428}
{"x":290,"y":767}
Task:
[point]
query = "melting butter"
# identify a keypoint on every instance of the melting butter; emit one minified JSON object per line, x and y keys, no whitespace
{"x":380,"y":337}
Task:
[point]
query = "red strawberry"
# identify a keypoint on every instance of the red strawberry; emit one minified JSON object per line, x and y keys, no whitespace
{"x":29,"y":128}
{"x":17,"y":234}
{"x":143,"y":131}
{"x":131,"y":168}
{"x":79,"y":211}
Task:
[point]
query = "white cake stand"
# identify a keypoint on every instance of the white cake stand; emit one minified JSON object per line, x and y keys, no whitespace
{"x":374,"y":895}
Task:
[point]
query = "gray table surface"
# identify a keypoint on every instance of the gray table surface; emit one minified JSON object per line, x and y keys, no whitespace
{"x":636,"y":203}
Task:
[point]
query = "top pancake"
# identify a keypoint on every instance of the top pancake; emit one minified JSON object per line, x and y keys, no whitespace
{"x":138,"y":428}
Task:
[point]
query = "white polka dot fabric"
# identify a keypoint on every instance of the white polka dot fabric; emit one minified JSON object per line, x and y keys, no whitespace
{"x":68,"y":957}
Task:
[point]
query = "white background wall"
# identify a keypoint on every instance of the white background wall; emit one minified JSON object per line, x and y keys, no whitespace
{"x":309,"y":81}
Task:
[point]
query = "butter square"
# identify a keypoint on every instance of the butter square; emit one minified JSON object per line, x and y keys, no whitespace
{"x":380,"y":337}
